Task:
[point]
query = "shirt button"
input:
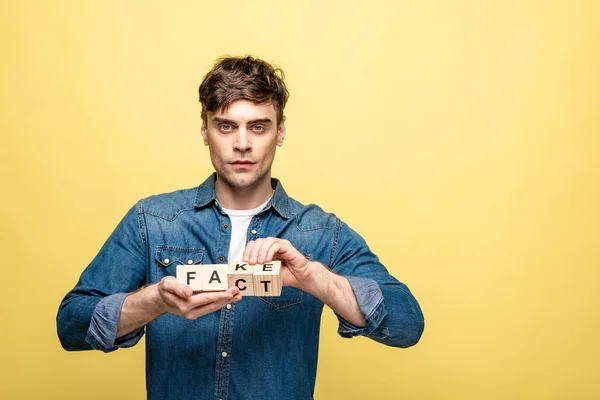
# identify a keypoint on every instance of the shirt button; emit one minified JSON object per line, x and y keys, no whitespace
{"x":228,"y":306}
{"x":224,"y":354}
{"x":253,"y":231}
{"x":190,"y":262}
{"x":221,"y":258}
{"x":376,"y":318}
{"x":166,"y":261}
{"x":225,"y":226}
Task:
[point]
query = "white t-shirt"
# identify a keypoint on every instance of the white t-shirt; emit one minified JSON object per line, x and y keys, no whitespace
{"x":240,"y":219}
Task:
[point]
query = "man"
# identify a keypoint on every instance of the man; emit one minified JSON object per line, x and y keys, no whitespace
{"x":218,"y":345}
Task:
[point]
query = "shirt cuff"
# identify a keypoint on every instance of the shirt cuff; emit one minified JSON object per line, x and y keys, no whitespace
{"x":102,"y":333}
{"x":371,"y":304}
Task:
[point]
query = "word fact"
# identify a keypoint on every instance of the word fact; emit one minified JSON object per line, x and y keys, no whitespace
{"x":252,"y":280}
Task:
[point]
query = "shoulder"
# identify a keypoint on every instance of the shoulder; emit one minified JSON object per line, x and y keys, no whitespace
{"x":168,"y":205}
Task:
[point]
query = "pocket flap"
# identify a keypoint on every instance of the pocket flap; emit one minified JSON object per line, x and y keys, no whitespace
{"x":166,"y":256}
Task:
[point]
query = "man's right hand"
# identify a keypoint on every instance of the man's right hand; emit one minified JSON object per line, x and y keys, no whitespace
{"x":170,"y":297}
{"x":179,"y":299}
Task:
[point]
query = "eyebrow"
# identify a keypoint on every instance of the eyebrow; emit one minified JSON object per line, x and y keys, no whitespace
{"x":260,"y":120}
{"x":220,"y":120}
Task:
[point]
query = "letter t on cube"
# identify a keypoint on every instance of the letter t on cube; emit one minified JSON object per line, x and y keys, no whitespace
{"x":267,"y":279}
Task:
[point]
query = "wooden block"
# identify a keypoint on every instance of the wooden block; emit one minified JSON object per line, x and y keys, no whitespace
{"x":210,"y":277}
{"x":190,"y":275}
{"x":214,"y":277}
{"x":242,"y":275}
{"x":267,"y":279}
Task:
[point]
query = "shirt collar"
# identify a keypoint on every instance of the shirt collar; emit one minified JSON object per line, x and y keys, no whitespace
{"x":280,"y":200}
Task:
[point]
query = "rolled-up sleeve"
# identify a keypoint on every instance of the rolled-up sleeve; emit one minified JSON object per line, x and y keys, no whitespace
{"x":89,"y":314}
{"x":370,"y":302}
{"x":392,"y":314}
{"x":102,"y":334}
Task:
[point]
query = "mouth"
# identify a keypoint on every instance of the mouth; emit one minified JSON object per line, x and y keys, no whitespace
{"x":242,"y":164}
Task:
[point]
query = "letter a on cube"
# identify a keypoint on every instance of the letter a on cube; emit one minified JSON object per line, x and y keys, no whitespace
{"x":214,"y":277}
{"x":267,"y":279}
{"x":241,"y":275}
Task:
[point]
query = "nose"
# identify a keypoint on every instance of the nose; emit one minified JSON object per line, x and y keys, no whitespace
{"x":242,"y":141}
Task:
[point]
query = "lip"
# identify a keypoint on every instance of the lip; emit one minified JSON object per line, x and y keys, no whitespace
{"x":242,"y":164}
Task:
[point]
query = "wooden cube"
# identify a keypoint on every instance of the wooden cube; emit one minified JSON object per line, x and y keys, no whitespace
{"x":214,"y":277}
{"x":242,"y":275}
{"x":267,"y":279}
{"x":190,"y":275}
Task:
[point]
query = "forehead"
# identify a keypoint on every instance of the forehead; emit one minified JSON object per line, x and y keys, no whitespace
{"x":245,"y":110}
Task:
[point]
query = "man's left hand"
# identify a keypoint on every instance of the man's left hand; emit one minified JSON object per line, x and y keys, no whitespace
{"x":296,"y":268}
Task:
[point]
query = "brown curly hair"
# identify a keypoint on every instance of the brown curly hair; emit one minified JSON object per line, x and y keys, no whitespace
{"x":235,"y":78}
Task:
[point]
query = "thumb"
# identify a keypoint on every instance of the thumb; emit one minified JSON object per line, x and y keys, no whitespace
{"x":179,"y":289}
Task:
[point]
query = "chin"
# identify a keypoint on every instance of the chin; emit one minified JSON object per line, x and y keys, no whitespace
{"x":240,"y":183}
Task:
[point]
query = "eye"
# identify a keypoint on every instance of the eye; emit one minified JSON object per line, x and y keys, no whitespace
{"x":225,"y":128}
{"x":258,"y":128}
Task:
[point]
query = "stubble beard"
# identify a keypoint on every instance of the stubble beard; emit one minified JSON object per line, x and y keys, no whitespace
{"x":246,"y":184}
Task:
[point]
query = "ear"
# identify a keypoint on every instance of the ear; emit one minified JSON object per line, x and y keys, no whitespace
{"x":281,"y":132}
{"x":204,"y":134}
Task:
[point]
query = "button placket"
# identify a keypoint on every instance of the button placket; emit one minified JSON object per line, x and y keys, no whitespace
{"x":224,"y":342}
{"x":253,"y":228}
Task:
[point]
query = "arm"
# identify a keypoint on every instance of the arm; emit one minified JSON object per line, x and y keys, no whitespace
{"x":309,"y":276}
{"x":107,"y":309}
{"x":366,"y":298}
{"x":393,"y":315}
{"x":172,"y":297}
{"x":88,"y":314}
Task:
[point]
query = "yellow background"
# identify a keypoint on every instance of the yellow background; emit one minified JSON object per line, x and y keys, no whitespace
{"x":460,"y":138}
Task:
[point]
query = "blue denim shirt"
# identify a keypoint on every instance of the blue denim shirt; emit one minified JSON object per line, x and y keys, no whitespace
{"x":261,"y":347}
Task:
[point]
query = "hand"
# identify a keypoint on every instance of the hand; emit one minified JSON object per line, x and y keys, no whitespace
{"x":179,"y":299}
{"x":296,"y":268}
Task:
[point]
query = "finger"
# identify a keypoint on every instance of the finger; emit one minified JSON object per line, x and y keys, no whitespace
{"x":276,"y":248}
{"x":179,"y":289}
{"x":205,"y":309}
{"x":203,"y":298}
{"x":289,"y":255}
{"x":236,"y":298}
{"x":211,"y":307}
{"x":247,"y":250}
{"x":192,"y":306}
{"x":263,"y":251}
{"x":251,"y":251}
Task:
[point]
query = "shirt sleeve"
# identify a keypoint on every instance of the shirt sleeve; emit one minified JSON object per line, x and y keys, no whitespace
{"x":370,"y":302}
{"x":102,"y":333}
{"x":89,"y":313}
{"x":392,"y":314}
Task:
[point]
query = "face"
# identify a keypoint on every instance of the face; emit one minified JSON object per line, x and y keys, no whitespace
{"x":242,"y":142}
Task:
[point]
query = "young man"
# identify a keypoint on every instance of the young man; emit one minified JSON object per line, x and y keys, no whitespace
{"x":218,"y":345}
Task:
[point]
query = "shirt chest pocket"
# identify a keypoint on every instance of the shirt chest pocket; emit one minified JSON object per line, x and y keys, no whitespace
{"x":289,"y":297}
{"x":168,"y":258}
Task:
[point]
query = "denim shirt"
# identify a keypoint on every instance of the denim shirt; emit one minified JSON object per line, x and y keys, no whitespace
{"x":258,"y":348}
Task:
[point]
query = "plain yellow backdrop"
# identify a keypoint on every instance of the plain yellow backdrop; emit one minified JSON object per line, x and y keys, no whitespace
{"x":460,"y":138}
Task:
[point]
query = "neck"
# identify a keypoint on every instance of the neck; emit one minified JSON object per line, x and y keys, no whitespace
{"x":243,"y":198}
